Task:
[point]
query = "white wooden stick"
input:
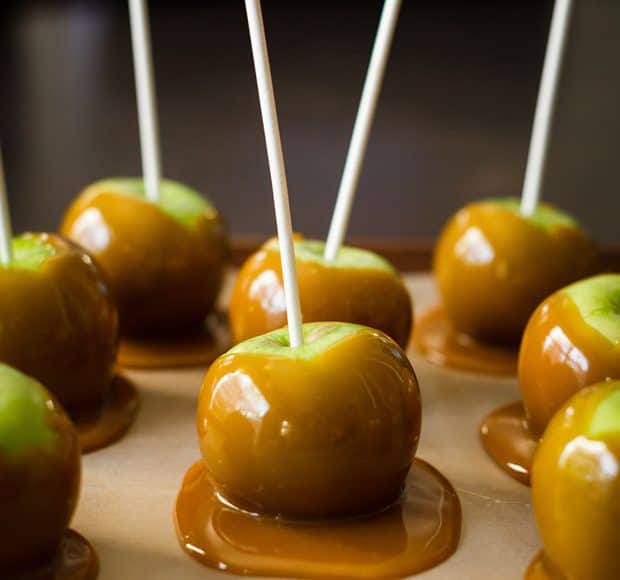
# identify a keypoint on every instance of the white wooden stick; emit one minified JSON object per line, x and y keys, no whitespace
{"x":276,"y":169}
{"x":6,"y":232}
{"x":361,"y":130}
{"x":145,"y":93}
{"x":539,"y":141}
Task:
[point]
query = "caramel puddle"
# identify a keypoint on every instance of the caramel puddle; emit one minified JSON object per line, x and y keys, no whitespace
{"x":436,"y":339}
{"x":417,"y":533}
{"x":113,"y":421}
{"x":197,"y":349}
{"x":509,"y":442}
{"x":76,"y":559}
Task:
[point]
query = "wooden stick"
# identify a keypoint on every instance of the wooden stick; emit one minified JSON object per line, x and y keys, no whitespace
{"x":361,"y":131}
{"x":6,"y":232}
{"x":539,"y":141}
{"x":145,"y":94}
{"x":276,"y":169}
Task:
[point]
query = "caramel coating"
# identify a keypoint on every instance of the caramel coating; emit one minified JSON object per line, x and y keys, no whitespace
{"x":59,"y":325}
{"x":576,"y":490}
{"x":560,"y":354}
{"x":329,"y":436}
{"x":494,"y":267}
{"x":165,"y":276}
{"x":371,"y":297}
{"x":38,"y":495}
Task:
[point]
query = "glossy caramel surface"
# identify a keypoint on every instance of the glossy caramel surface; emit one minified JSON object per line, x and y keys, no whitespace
{"x":576,"y":489}
{"x":371,"y":297}
{"x":58,"y":324}
{"x":419,"y":531}
{"x":38,"y":494}
{"x":559,"y":355}
{"x":436,"y":338}
{"x":507,"y":438}
{"x":165,"y":276}
{"x":275,"y":431}
{"x":493,"y":268}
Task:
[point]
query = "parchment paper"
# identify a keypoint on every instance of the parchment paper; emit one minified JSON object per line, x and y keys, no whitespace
{"x":129,"y":489}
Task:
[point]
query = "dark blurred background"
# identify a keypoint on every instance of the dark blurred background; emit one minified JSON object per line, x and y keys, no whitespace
{"x":453,"y":123}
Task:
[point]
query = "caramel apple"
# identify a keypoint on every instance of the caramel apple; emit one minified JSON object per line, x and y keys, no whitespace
{"x":322,"y":428}
{"x":58,"y":321}
{"x":571,"y":341}
{"x":494,"y":266}
{"x":39,"y":475}
{"x":165,"y":261}
{"x":311,"y":447}
{"x":576,"y":488}
{"x":358,"y":287}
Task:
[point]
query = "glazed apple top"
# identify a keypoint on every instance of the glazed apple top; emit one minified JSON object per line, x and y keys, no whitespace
{"x":165,"y":261}
{"x":58,"y":320}
{"x":576,"y":485}
{"x":39,"y":471}
{"x":358,"y":287}
{"x":328,"y":429}
{"x":571,"y":341}
{"x":494,"y":266}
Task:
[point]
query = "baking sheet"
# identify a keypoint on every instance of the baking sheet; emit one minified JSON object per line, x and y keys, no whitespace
{"x":129,"y":489}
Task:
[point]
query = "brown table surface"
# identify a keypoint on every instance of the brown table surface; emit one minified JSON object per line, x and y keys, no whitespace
{"x":129,"y":489}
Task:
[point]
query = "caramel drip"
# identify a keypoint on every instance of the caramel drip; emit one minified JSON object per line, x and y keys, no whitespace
{"x":540,"y":568}
{"x":509,"y":442}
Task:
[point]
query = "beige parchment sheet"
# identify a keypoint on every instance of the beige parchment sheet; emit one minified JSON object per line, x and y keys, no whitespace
{"x":129,"y":489}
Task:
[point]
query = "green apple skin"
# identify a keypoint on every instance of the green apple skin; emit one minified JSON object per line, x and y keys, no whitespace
{"x":576,"y":485}
{"x":348,"y":257}
{"x":165,"y":261}
{"x":29,"y":253}
{"x":359,"y":287}
{"x":598,"y":301}
{"x":39,"y":473}
{"x":23,"y":415}
{"x":293,"y":431}
{"x":545,"y":216}
{"x":182,"y":203}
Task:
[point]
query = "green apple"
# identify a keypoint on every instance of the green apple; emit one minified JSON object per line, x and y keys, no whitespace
{"x":545,"y":216}
{"x":494,"y":266}
{"x":165,"y":261}
{"x":358,"y":287}
{"x":29,"y":252}
{"x":605,"y":420}
{"x":23,"y":414}
{"x":347,"y":257}
{"x":182,"y":203}
{"x":598,"y":301}
{"x":571,"y":341}
{"x":58,"y":321}
{"x":576,"y":485}
{"x":39,"y":474}
{"x":293,"y":431}
{"x":318,"y":337}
